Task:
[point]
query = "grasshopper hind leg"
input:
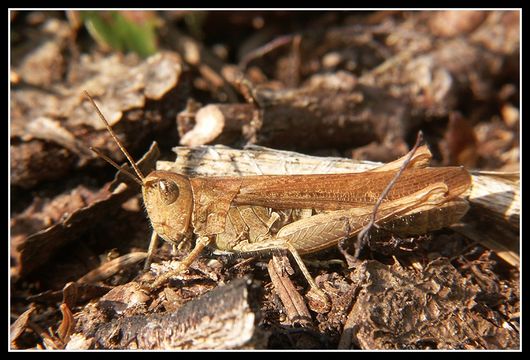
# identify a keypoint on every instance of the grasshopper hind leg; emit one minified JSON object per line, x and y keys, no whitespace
{"x":314,"y":287}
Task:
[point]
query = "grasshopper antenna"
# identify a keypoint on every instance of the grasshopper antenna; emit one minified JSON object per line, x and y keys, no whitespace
{"x":110,"y":161}
{"x":362,"y":237}
{"x":122,"y":148}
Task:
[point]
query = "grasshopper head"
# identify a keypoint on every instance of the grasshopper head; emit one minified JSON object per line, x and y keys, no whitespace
{"x":167,"y":196}
{"x":169,"y":202}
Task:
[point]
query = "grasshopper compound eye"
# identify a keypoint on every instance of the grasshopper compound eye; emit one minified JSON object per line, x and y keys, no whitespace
{"x":168,"y":191}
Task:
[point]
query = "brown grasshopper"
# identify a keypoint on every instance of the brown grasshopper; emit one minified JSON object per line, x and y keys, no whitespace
{"x":299,"y":213}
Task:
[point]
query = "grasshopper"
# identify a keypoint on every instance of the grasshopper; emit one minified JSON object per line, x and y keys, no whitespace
{"x":298,"y":213}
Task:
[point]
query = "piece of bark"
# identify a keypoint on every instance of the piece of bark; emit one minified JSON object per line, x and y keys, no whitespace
{"x":31,"y":250}
{"x":35,"y":238}
{"x":123,"y":298}
{"x":110,"y":268}
{"x":19,"y":326}
{"x":306,"y":118}
{"x":138,"y":98}
{"x":35,"y":161}
{"x":295,"y":307}
{"x":67,"y":325}
{"x":224,"y":318}
{"x":499,"y":240}
{"x":495,"y":219}
{"x":319,"y":118}
{"x":496,"y":198}
{"x":84,"y":293}
{"x":219,"y":160}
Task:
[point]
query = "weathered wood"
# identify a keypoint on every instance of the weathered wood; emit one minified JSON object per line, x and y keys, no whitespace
{"x":307,"y":118}
{"x":295,"y":306}
{"x":224,"y":318}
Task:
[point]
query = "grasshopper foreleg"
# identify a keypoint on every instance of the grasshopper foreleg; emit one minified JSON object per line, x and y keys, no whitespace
{"x":151,"y":251}
{"x":201,"y":243}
